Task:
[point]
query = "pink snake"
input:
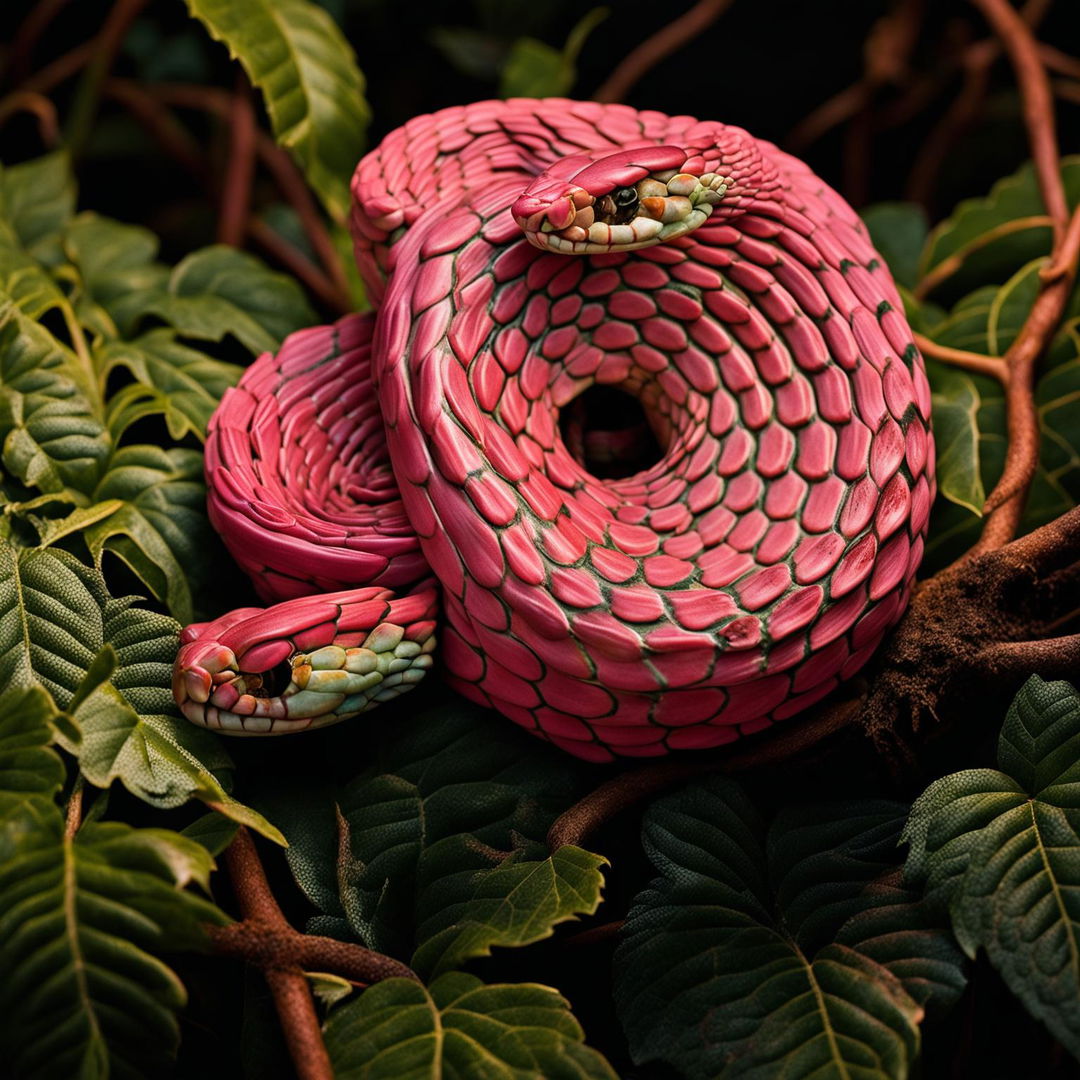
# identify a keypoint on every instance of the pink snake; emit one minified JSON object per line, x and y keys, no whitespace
{"x":519,"y":253}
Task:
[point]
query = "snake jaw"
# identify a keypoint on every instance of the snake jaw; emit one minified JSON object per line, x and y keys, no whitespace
{"x":340,"y":674}
{"x":621,"y":207}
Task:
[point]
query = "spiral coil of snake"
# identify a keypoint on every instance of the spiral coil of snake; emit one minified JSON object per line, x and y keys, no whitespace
{"x":519,"y":253}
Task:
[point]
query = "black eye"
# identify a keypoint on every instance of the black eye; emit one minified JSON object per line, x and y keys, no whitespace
{"x":625,"y":196}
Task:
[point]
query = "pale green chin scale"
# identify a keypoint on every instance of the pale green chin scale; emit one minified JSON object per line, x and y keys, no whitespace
{"x":669,"y":205}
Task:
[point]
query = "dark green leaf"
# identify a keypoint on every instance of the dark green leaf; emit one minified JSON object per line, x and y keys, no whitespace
{"x":294,"y":52}
{"x":219,"y":291}
{"x":31,"y":773}
{"x":744,"y":958}
{"x":534,"y":69}
{"x":50,"y":437}
{"x":898,"y":231}
{"x":37,"y":198}
{"x":181,"y":383}
{"x":1003,"y":853}
{"x":400,"y":1030}
{"x":80,"y":921}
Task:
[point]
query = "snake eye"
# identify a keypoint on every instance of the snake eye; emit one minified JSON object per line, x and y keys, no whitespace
{"x":625,"y":197}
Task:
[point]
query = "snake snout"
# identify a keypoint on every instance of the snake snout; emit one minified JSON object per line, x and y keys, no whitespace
{"x":237,"y":680}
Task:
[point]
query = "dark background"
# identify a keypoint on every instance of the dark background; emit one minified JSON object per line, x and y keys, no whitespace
{"x":764,"y":66}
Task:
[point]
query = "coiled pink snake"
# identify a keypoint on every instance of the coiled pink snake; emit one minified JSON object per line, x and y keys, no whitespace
{"x":731,"y":584}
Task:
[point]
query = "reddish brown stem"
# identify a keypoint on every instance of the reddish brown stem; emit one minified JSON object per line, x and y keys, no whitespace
{"x":1050,"y":657}
{"x":105,"y":47}
{"x":627,"y":789}
{"x":292,"y":996}
{"x":236,"y":191}
{"x":269,"y":946}
{"x":659,"y":46}
{"x":1038,"y":103}
{"x":38,"y":19}
{"x":43,"y":110}
{"x":285,"y":173}
{"x":979,"y":363}
{"x":1005,"y":504}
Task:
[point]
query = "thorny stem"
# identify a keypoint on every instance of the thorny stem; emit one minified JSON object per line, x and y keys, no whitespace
{"x":659,"y":46}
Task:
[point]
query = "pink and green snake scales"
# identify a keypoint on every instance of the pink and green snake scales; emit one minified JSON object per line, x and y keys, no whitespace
{"x":519,"y":253}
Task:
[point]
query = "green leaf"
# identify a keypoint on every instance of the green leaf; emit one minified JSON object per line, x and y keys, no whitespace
{"x":116,"y":268}
{"x":535,"y":70}
{"x":159,"y":526}
{"x":37,"y":198}
{"x":218,"y":291}
{"x":515,"y":904}
{"x":49,"y":435}
{"x":744,"y":958}
{"x":181,"y":383}
{"x":438,"y":849}
{"x":459,"y":1027}
{"x":80,"y":921}
{"x":294,"y":52}
{"x":1002,"y":851}
{"x":957,"y":398}
{"x":31,"y":773}
{"x":55,"y":617}
{"x":898,"y":230}
{"x":996,"y":235}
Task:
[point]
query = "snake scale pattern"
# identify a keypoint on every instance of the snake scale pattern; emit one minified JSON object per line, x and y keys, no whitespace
{"x":405,"y":472}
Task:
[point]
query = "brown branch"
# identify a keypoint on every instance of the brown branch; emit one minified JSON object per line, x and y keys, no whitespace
{"x":39,"y":106}
{"x":1058,"y":61}
{"x":659,"y":46}
{"x":286,"y":175}
{"x":979,"y":363}
{"x":272,"y":947}
{"x":299,"y":265}
{"x":1005,"y":504}
{"x":627,"y":789}
{"x":160,"y":123}
{"x":37,"y":21}
{"x":105,"y":47}
{"x":1022,"y":49}
{"x":603,"y":932}
{"x":288,"y":985}
{"x":236,"y":191}
{"x":962,"y":112}
{"x":887,"y":51}
{"x":61,"y":69}
{"x":1049,"y":658}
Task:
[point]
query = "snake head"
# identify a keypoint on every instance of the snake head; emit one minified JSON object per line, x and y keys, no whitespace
{"x":627,"y":200}
{"x":304,"y":663}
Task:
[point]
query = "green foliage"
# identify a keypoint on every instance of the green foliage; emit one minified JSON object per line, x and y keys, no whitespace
{"x":81,"y":918}
{"x":401,"y":1030}
{"x":762,"y":952}
{"x":986,"y":257}
{"x":535,"y":69}
{"x":293,"y":51}
{"x":437,"y":851}
{"x":1000,"y":850}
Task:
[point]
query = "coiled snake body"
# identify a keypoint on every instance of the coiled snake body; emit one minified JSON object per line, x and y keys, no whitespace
{"x":519,"y":253}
